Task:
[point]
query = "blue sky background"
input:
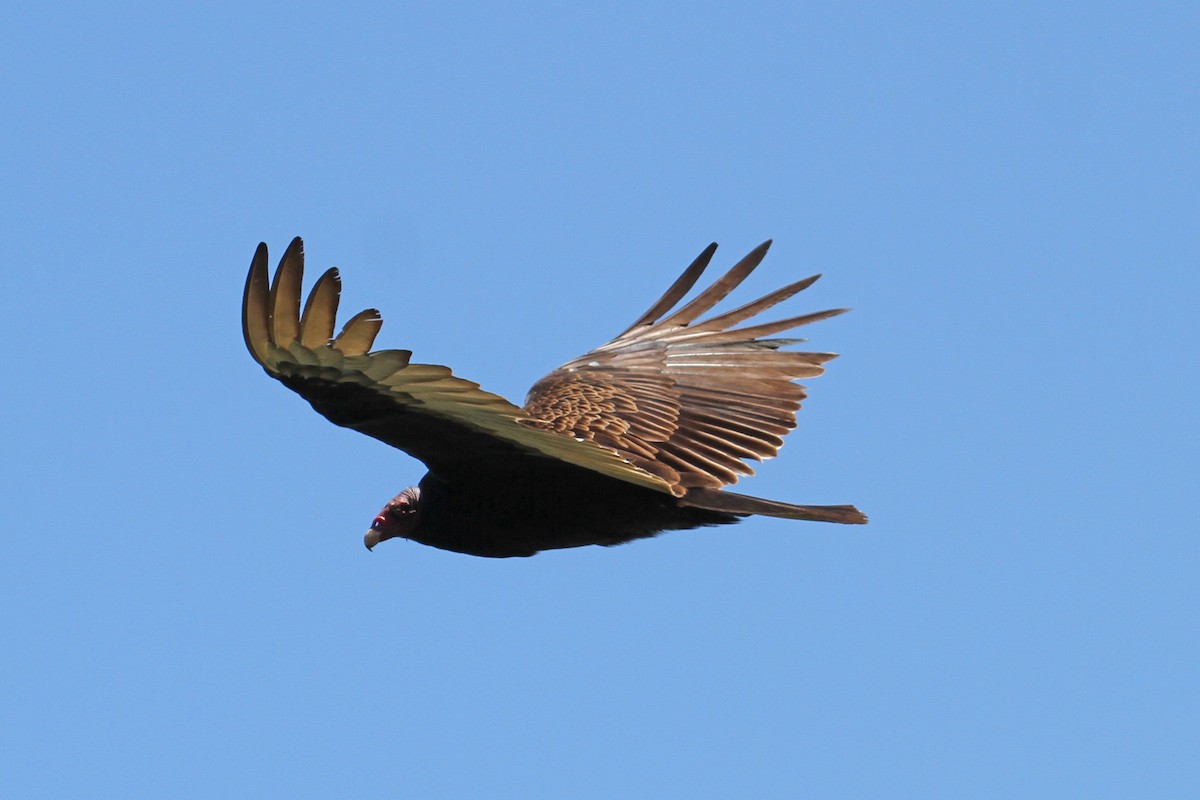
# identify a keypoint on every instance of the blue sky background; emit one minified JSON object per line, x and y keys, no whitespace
{"x":1005,"y":193}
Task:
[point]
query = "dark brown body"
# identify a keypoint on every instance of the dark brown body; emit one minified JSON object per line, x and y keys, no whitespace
{"x":518,"y":515}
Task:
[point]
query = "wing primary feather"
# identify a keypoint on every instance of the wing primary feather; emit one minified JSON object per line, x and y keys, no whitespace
{"x":320,"y":312}
{"x":285,"y":294}
{"x":717,"y":292}
{"x":682,"y":285}
{"x":768,"y":328}
{"x":753,"y":309}
{"x":256,"y":307}
{"x":359,"y":333}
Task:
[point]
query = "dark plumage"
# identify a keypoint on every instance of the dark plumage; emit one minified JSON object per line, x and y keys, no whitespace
{"x":636,"y":437}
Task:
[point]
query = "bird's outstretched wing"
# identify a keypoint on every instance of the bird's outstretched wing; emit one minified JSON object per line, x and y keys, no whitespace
{"x":694,"y":399}
{"x":448,"y":423}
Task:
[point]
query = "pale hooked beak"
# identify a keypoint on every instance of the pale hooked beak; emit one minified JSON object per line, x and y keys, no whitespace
{"x":371,"y":539}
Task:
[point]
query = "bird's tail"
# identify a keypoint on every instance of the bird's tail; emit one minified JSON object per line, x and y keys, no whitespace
{"x":715,"y":500}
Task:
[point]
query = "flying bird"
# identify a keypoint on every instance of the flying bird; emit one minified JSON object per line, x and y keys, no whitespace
{"x":634,"y":438}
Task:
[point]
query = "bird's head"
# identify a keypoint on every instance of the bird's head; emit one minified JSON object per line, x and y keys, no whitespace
{"x":398,"y":517}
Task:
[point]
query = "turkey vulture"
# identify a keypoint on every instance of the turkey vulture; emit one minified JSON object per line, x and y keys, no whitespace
{"x":636,"y":437}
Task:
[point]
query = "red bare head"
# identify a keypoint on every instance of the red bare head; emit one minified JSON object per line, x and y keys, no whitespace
{"x":397,"y":518}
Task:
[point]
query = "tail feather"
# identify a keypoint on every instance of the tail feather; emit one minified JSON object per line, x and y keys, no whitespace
{"x":716,"y":500}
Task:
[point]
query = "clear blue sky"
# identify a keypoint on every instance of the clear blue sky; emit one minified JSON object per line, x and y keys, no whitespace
{"x":1007,"y":196}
